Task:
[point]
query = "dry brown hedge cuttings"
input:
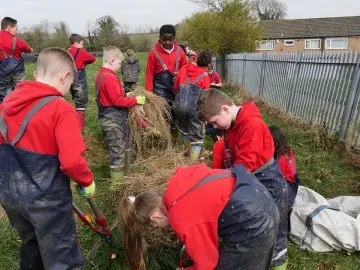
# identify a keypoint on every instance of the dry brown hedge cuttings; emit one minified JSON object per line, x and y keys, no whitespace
{"x":156,"y":137}
{"x":156,"y":157}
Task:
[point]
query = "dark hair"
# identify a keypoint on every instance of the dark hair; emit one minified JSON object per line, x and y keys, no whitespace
{"x":281,"y":144}
{"x":8,"y":21}
{"x":167,"y":29}
{"x":204,"y":59}
{"x":75,"y":38}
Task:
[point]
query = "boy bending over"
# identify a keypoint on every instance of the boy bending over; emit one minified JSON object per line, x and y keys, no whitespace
{"x":248,"y":141}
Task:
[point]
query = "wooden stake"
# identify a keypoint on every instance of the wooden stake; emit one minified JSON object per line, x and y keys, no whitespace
{"x":127,"y":161}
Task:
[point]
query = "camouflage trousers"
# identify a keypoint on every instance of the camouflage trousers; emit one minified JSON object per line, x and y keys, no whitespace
{"x":79,"y":91}
{"x":9,"y":82}
{"x":114,"y":124}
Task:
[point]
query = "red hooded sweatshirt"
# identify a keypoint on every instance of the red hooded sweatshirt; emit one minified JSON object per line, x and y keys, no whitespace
{"x":287,"y":165}
{"x":111,"y":90}
{"x":6,"y":40}
{"x":54,"y":130}
{"x":219,"y":155}
{"x":83,"y":58}
{"x":249,"y":139}
{"x":194,"y":217}
{"x":153,"y":65}
{"x":192,"y":71}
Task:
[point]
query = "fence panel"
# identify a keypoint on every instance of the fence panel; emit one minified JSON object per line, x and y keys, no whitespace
{"x":322,"y":88}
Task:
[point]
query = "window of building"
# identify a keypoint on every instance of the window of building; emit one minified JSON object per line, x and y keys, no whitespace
{"x":336,"y":43}
{"x":266,"y":45}
{"x":313,"y":44}
{"x":289,"y":42}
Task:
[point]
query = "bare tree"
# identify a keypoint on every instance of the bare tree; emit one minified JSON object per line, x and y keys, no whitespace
{"x":269,"y":9}
{"x":213,"y":5}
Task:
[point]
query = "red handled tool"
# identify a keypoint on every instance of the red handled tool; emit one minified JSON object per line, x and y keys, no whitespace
{"x":104,"y":232}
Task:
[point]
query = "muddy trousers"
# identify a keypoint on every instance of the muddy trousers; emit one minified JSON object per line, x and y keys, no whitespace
{"x":114,"y":124}
{"x":275,"y":183}
{"x":9,"y":82}
{"x":49,"y":243}
{"x":79,"y":91}
{"x":248,"y":225}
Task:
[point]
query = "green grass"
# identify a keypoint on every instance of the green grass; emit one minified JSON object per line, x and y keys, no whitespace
{"x":321,"y":168}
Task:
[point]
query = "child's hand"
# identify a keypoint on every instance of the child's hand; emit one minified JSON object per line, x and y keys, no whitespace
{"x":86,"y":192}
{"x":220,"y":138}
{"x":140,"y":100}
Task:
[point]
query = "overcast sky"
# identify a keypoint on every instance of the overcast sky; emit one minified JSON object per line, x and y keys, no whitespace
{"x":78,"y":13}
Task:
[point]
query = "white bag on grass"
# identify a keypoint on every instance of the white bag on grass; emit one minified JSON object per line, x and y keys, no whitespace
{"x":322,"y":225}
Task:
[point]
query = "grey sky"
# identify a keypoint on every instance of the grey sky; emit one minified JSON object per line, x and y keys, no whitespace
{"x":77,"y":13}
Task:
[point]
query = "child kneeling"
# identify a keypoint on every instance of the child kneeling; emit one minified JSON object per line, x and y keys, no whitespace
{"x":199,"y":204}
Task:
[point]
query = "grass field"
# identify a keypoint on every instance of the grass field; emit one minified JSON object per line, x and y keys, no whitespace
{"x":321,"y":168}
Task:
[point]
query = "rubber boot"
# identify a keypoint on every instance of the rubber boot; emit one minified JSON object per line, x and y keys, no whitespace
{"x":280,"y":267}
{"x":195,"y":152}
{"x":115,"y":173}
{"x":186,"y":142}
{"x":81,"y":115}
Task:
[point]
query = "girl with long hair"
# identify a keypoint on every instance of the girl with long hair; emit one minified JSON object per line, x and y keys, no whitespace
{"x":201,"y":204}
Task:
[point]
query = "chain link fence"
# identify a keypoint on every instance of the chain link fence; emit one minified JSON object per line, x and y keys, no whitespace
{"x":322,"y":88}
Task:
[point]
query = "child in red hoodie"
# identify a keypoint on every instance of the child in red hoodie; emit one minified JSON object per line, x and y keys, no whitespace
{"x":12,"y":69}
{"x":189,"y":83}
{"x":41,"y":148}
{"x":163,"y":63}
{"x":79,"y":89}
{"x":287,"y":163}
{"x":113,"y":107}
{"x":249,"y":142}
{"x":199,"y":204}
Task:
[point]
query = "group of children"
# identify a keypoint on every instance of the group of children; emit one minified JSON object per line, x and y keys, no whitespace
{"x":41,"y":148}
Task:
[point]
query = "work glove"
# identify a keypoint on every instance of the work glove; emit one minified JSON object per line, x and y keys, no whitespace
{"x":140,"y":100}
{"x":86,"y":192}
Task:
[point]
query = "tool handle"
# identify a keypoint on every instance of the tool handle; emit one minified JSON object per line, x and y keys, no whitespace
{"x":94,"y":208}
{"x":100,"y":219}
{"x":85,"y":218}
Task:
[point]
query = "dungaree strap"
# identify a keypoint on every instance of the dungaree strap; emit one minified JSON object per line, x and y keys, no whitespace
{"x":196,"y":79}
{"x":199,"y":77}
{"x":162,"y":63}
{"x":177,"y":59}
{"x":207,"y":179}
{"x":76,"y":54}
{"x":13,"y":47}
{"x":98,"y":86}
{"x":3,"y":126}
{"x":30,"y":114}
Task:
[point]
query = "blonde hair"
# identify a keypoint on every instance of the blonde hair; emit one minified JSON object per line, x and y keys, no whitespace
{"x":210,"y":102}
{"x":53,"y":60}
{"x":130,"y":52}
{"x":133,"y":216}
{"x":112,"y":52}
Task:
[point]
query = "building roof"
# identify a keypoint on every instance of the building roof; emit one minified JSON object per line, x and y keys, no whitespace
{"x":311,"y":28}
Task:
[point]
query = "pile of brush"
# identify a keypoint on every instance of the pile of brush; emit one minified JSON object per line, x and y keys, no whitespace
{"x":149,"y":125}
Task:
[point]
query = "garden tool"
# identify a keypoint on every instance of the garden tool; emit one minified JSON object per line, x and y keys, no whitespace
{"x":104,"y":231}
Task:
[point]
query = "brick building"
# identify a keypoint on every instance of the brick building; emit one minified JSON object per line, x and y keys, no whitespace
{"x":314,"y":35}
